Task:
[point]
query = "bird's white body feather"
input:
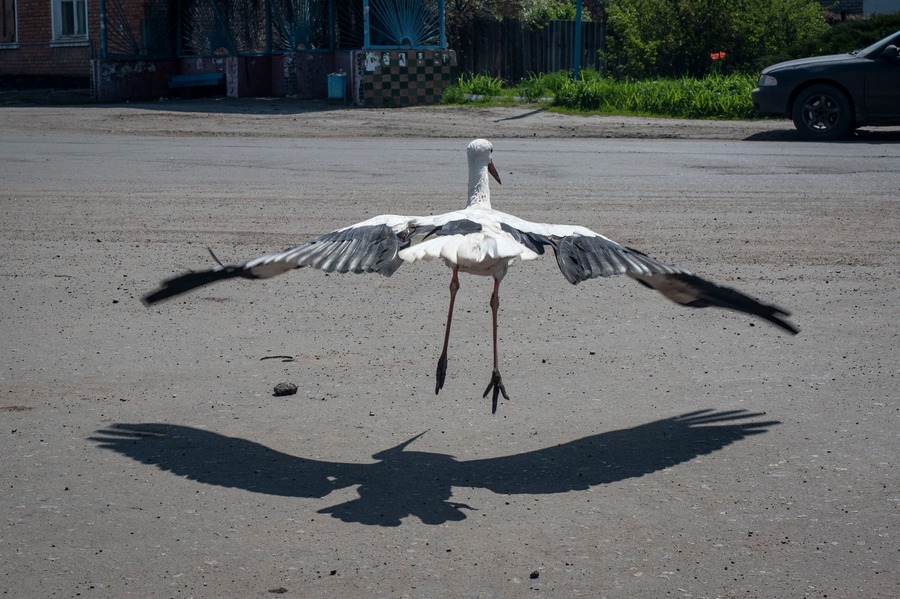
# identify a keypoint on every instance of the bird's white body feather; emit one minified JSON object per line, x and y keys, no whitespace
{"x":488,"y":252}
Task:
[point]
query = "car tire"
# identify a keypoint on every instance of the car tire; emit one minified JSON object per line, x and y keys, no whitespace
{"x":822,"y":113}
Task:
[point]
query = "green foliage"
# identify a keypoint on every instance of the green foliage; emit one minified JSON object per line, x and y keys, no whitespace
{"x":712,"y":97}
{"x":535,"y":87}
{"x":485,"y":86}
{"x":453,"y":94}
{"x":632,"y":43}
{"x":841,"y":37}
{"x":532,"y":11}
{"x":683,"y":58}
{"x":649,"y":38}
{"x":540,"y":11}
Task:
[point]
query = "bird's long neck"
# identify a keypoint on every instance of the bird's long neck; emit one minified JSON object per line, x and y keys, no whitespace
{"x":479,"y":188}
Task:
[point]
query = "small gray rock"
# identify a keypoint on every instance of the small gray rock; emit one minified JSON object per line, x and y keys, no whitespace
{"x":285,"y":389}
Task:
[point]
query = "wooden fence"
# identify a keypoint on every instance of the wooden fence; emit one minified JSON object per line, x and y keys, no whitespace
{"x":511,"y":49}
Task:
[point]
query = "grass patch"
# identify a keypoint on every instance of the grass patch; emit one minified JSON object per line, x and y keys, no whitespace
{"x":476,"y":89}
{"x":712,"y":97}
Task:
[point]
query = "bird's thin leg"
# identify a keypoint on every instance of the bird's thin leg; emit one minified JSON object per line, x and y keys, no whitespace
{"x":496,"y":382}
{"x":442,"y":361}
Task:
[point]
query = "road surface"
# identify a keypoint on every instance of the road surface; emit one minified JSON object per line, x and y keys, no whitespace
{"x":648,"y":450}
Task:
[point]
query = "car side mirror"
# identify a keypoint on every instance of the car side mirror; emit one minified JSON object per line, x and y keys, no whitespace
{"x":890,"y":52}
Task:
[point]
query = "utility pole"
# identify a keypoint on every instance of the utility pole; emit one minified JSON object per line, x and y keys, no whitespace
{"x":576,"y":60}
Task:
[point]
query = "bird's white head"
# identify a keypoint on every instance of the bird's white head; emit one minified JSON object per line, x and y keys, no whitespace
{"x":480,"y":166}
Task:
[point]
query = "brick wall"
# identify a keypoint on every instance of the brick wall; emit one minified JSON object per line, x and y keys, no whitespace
{"x":33,"y":60}
{"x":120,"y":80}
{"x":34,"y":53}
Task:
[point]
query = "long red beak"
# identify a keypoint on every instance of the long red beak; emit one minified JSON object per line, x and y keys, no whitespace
{"x":493,"y":171}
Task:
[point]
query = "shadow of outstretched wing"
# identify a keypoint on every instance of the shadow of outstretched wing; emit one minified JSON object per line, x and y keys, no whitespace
{"x":215,"y":459}
{"x":405,"y":483}
{"x":612,"y":456}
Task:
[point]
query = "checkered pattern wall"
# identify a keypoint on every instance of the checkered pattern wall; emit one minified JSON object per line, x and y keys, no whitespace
{"x":403,"y":77}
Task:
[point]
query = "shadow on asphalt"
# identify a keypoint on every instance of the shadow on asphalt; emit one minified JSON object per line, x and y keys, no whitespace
{"x":867,"y":136}
{"x":255,"y":106}
{"x":403,"y":483}
{"x":75,"y":98}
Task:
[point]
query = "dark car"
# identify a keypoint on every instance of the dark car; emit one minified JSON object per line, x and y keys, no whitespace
{"x":828,"y":96}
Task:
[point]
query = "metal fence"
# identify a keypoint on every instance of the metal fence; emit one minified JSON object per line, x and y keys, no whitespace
{"x":511,"y":49}
{"x":159,"y":28}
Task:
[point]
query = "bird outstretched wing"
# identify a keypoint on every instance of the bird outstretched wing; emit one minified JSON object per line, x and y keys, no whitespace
{"x":371,"y":246}
{"x":582,"y":254}
{"x":374,"y":246}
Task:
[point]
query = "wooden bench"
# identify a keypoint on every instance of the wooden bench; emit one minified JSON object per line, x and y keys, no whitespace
{"x":196,"y":80}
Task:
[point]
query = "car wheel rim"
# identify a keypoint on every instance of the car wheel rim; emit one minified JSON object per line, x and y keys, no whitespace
{"x":821,"y":113}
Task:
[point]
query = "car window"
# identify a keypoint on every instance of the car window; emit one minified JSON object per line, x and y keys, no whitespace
{"x":878,"y":46}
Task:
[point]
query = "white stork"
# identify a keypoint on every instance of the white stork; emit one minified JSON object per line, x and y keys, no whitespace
{"x":481,"y":241}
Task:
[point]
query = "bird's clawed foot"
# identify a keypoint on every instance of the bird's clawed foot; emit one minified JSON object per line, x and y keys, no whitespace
{"x":441,"y":374}
{"x":497,"y":385}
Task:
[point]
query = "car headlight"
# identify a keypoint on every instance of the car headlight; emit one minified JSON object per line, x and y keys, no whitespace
{"x":767,"y":81}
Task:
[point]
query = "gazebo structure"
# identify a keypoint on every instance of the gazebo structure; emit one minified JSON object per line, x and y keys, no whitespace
{"x":383,"y":52}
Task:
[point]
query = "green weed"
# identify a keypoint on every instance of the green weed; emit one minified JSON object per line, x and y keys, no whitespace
{"x":712,"y":97}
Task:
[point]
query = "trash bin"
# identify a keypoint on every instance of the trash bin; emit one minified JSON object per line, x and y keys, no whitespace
{"x":337,"y":87}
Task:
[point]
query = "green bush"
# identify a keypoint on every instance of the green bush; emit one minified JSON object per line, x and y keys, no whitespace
{"x":477,"y":85}
{"x":841,"y":37}
{"x":453,"y":94}
{"x":535,"y":87}
{"x":715,"y":97}
{"x":537,"y":12}
{"x":649,"y":38}
{"x":485,"y":85}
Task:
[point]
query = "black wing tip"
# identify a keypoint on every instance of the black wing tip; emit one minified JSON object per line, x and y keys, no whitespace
{"x":729,"y":298}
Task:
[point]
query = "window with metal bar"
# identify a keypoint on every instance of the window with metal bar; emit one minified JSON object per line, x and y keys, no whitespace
{"x":69,"y":19}
{"x":8,"y":22}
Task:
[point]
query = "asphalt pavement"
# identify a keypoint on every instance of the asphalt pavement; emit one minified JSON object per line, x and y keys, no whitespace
{"x":647,"y":450}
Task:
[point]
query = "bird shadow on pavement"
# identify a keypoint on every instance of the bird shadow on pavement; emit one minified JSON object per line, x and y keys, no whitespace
{"x":403,"y":483}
